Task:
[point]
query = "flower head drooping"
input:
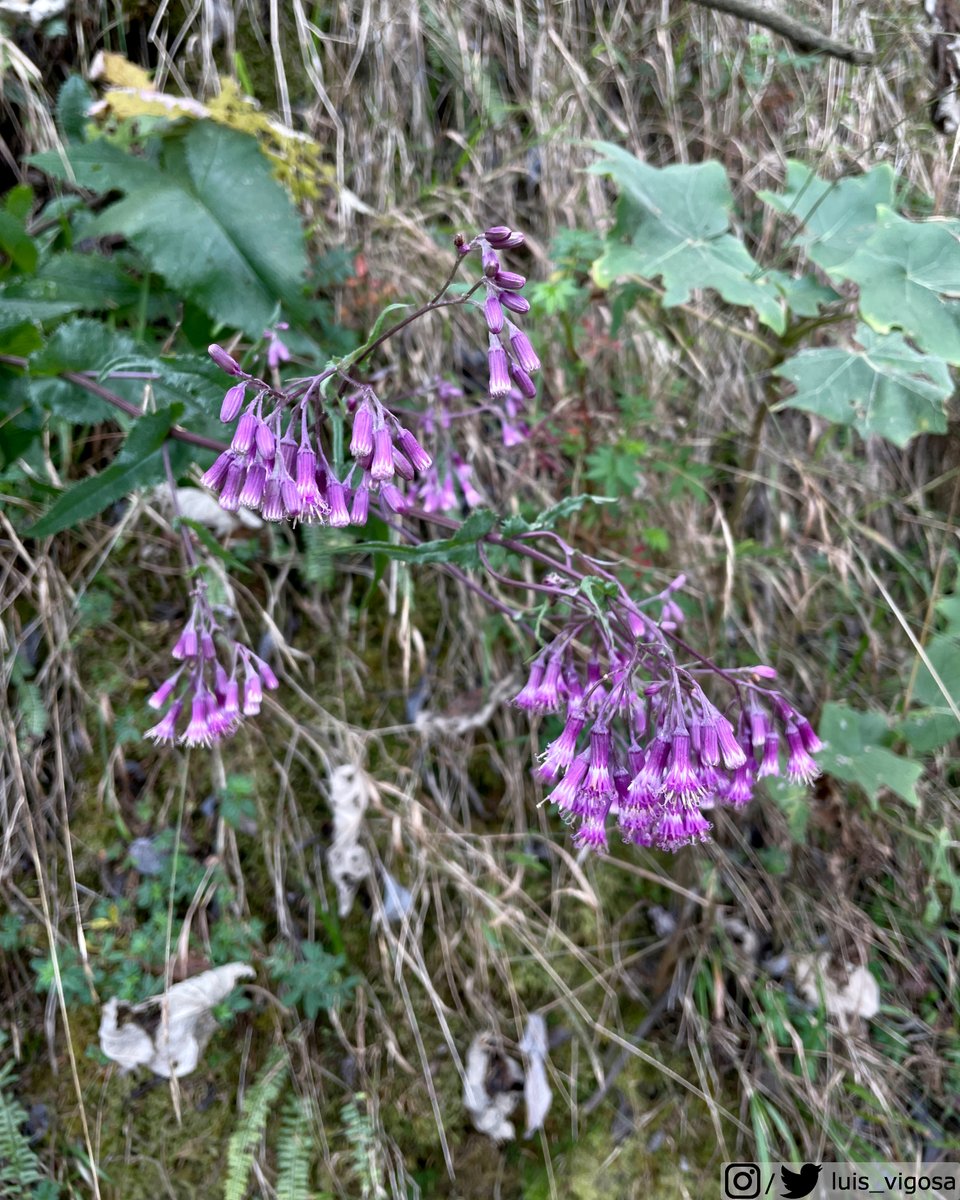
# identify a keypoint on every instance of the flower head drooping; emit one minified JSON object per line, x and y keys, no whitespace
{"x":641,"y":743}
{"x":202,"y":685}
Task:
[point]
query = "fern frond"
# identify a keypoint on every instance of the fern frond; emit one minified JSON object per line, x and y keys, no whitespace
{"x":244,"y":1140}
{"x":294,"y":1151}
{"x":19,"y":1166}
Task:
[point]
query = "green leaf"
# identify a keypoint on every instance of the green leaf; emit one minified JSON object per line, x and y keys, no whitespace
{"x":87,"y":281}
{"x":852,"y":752}
{"x":17,"y":312}
{"x":885,"y":388}
{"x":460,"y":548}
{"x":83,"y":344}
{"x":935,"y":725}
{"x":16,"y":243}
{"x":837,"y":216}
{"x":139,"y":464}
{"x":676,"y":222}
{"x":903,"y":269}
{"x":73,"y":104}
{"x":208,"y":217}
{"x":804,"y":295}
{"x":550,"y":516}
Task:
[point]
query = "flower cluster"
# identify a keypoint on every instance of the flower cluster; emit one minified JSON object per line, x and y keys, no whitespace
{"x":215,"y":699}
{"x":511,"y":359}
{"x":641,"y":740}
{"x":276,"y":466}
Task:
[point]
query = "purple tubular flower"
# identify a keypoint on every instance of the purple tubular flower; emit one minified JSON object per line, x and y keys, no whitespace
{"x":560,"y":753}
{"x":526,"y":698}
{"x":496,"y":235}
{"x":464,"y":473}
{"x":510,"y":281}
{"x":523,"y":381}
{"x":740,"y":791}
{"x":759,"y":725}
{"x":564,"y":795}
{"x":198,"y":732}
{"x":224,"y":361}
{"x":522,"y":347}
{"x":513,"y":435}
{"x":599,"y":780}
{"x":513,"y":241}
{"x":252,"y":693}
{"x":252,"y":494}
{"x":288,"y":452}
{"x":680,"y":826}
{"x":491,"y":263}
{"x":207,"y":648}
{"x":393,"y":498}
{"x":165,"y":729}
{"x":402,"y":465}
{"x":266,"y":673}
{"x":236,"y":477}
{"x":272,"y":509}
{"x":381,"y":467}
{"x":811,"y":743}
{"x":214,"y":476}
{"x":592,"y":835}
{"x":164,"y":691}
{"x":245,"y":432}
{"x":681,"y":779}
{"x":548,"y":695}
{"x":420,"y":459}
{"x":336,"y":498}
{"x":493,"y":313}
{"x":277,"y":352}
{"x":801,"y":768}
{"x":232,"y":403}
{"x":516,"y":304}
{"x":292,"y":504}
{"x":651,"y":777}
{"x":730,"y":749}
{"x":361,"y":437}
{"x":266,"y":440}
{"x":360,"y":508}
{"x":188,"y":643}
{"x":306,"y":474}
{"x":231,"y":700}
{"x":771,"y":757}
{"x":499,"y":369}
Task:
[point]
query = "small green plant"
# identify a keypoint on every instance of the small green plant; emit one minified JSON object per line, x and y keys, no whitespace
{"x":21,"y":1173}
{"x":314,"y":982}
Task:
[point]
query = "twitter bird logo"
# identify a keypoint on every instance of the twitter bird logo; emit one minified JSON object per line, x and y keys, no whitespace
{"x":797,"y":1184}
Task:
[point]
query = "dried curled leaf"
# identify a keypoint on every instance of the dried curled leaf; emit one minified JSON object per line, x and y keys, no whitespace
{"x":491,"y":1088}
{"x":849,"y":992}
{"x":168,"y":1032}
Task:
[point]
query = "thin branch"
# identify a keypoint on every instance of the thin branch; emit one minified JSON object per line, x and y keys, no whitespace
{"x":806,"y":39}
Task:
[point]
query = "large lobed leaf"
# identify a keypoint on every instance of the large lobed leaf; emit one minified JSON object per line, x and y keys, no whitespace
{"x":208,"y":217}
{"x":853,"y":751}
{"x":674,"y":224}
{"x":908,"y":272}
{"x":883,"y":387}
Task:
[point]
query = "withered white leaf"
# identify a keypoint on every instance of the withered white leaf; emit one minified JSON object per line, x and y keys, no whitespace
{"x":168,"y":1032}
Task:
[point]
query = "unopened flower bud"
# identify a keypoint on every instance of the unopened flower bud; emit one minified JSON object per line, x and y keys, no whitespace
{"x":517,"y":304}
{"x":361,"y":439}
{"x":493,"y":312}
{"x":491,"y":263}
{"x":510,"y":280}
{"x":525,"y":354}
{"x":232,"y":403}
{"x":245,"y":432}
{"x":499,"y":369}
{"x":496,"y":235}
{"x":224,"y":361}
{"x":381,"y":467}
{"x":413,"y":450}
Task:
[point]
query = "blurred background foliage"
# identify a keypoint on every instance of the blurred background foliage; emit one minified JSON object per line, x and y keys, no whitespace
{"x":744,"y":264}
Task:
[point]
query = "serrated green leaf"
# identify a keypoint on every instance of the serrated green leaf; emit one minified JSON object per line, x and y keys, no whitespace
{"x":853,"y":751}
{"x":139,"y":464}
{"x":16,"y":243}
{"x":550,"y":516}
{"x":17,"y":312}
{"x":837,"y":216}
{"x":461,"y":548}
{"x":208,"y":217}
{"x":886,"y":388}
{"x":86,"y":281}
{"x":677,"y":224}
{"x":73,"y":104}
{"x":83,"y":344}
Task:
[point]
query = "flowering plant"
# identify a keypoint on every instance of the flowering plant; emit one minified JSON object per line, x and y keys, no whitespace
{"x":642,"y":741}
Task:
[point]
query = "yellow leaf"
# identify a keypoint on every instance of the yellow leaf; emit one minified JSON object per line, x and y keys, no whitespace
{"x":118,"y":71}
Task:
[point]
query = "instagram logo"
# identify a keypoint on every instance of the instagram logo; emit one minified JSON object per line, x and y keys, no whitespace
{"x":741,"y":1181}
